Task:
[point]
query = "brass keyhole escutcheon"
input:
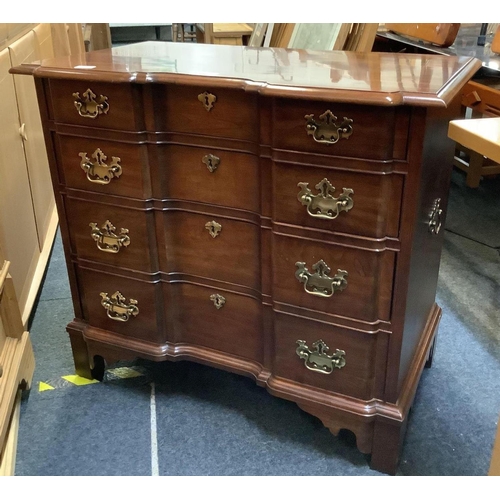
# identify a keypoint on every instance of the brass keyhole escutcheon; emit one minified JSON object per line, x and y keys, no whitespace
{"x":218,"y":300}
{"x":211,"y":161}
{"x":207,"y":99}
{"x":213,"y":228}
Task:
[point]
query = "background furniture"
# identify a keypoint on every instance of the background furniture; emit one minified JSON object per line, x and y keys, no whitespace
{"x":480,"y":139}
{"x":17,"y":364}
{"x":255,"y":263}
{"x":28,"y":217}
{"x":223,"y":33}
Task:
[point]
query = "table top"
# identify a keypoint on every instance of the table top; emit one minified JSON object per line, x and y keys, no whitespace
{"x":369,"y":78}
{"x":480,"y":134}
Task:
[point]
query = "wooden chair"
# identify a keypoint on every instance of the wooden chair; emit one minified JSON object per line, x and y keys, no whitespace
{"x":479,"y":138}
{"x":180,"y":34}
{"x":17,"y":364}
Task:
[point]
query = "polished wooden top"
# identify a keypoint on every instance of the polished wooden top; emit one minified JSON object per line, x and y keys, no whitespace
{"x":368,"y":78}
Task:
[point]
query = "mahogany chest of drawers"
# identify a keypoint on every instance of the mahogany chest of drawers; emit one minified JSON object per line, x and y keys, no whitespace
{"x":276,"y":213}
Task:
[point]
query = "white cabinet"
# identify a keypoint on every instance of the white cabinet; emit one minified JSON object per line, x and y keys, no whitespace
{"x":28,"y":217}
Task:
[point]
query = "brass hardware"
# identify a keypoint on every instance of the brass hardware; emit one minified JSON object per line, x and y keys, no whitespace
{"x":435,"y":217}
{"x":88,"y":106}
{"x":327,"y":130}
{"x":97,"y":171}
{"x":318,"y":359}
{"x":107,"y":240}
{"x":218,"y":300}
{"x":320,"y":283}
{"x":207,"y":99}
{"x":22,"y":132}
{"x":116,"y":308}
{"x":214,"y":228}
{"x":211,"y":161}
{"x":324,"y":205}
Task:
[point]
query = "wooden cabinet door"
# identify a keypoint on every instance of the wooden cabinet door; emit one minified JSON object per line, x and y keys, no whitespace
{"x":26,"y":50}
{"x":18,"y":235}
{"x":43,"y":38}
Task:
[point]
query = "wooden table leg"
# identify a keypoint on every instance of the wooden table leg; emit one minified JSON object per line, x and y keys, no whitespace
{"x":474,"y":171}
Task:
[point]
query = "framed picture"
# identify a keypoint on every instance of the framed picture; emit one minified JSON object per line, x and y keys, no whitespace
{"x":258,"y":34}
{"x":314,"y":36}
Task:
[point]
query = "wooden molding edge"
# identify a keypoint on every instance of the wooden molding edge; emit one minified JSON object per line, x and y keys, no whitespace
{"x":41,"y":266}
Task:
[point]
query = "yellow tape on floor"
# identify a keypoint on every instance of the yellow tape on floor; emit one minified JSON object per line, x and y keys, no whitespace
{"x":113,"y":374}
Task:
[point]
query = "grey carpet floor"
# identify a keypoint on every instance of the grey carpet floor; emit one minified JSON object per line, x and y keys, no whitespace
{"x":209,"y":422}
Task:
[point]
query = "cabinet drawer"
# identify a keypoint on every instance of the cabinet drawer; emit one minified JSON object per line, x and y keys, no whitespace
{"x":372,"y":137}
{"x":234,"y":113}
{"x":217,"y":319}
{"x":132,"y":307}
{"x":362,"y":375}
{"x":304,"y":196}
{"x":367,"y":287}
{"x":97,"y":105}
{"x":209,"y":175}
{"x":108,"y":167}
{"x":101,"y":232}
{"x":231,"y":255}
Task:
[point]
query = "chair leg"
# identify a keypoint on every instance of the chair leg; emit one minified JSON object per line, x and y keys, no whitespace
{"x":474,"y":170}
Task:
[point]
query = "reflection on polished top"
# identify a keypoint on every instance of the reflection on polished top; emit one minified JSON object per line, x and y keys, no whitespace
{"x":375,"y":77}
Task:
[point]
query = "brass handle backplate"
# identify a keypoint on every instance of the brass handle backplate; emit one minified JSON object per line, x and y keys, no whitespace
{"x":324,"y":205}
{"x":116,"y":307}
{"x":89,"y":105}
{"x":435,"y":217}
{"x":98,"y":171}
{"x":218,"y":300}
{"x":207,"y":99}
{"x":318,"y":360}
{"x":211,"y":161}
{"x":320,"y":283}
{"x":106,"y":238}
{"x":327,"y":130}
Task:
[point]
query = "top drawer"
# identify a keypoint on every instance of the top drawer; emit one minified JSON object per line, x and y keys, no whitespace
{"x":96,"y":104}
{"x":214,"y":112}
{"x":339,"y":129}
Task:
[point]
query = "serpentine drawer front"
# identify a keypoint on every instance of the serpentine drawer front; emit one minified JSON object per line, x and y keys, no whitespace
{"x":276,"y":213}
{"x":103,"y":166}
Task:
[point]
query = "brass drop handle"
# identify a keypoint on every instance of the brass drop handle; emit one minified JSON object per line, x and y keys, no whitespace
{"x":320,"y":283}
{"x":324,"y":205}
{"x":89,"y":105}
{"x":116,"y":307}
{"x":435,"y":217}
{"x":327,"y":130}
{"x":98,"y":171}
{"x":107,"y":240}
{"x":318,"y":359}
